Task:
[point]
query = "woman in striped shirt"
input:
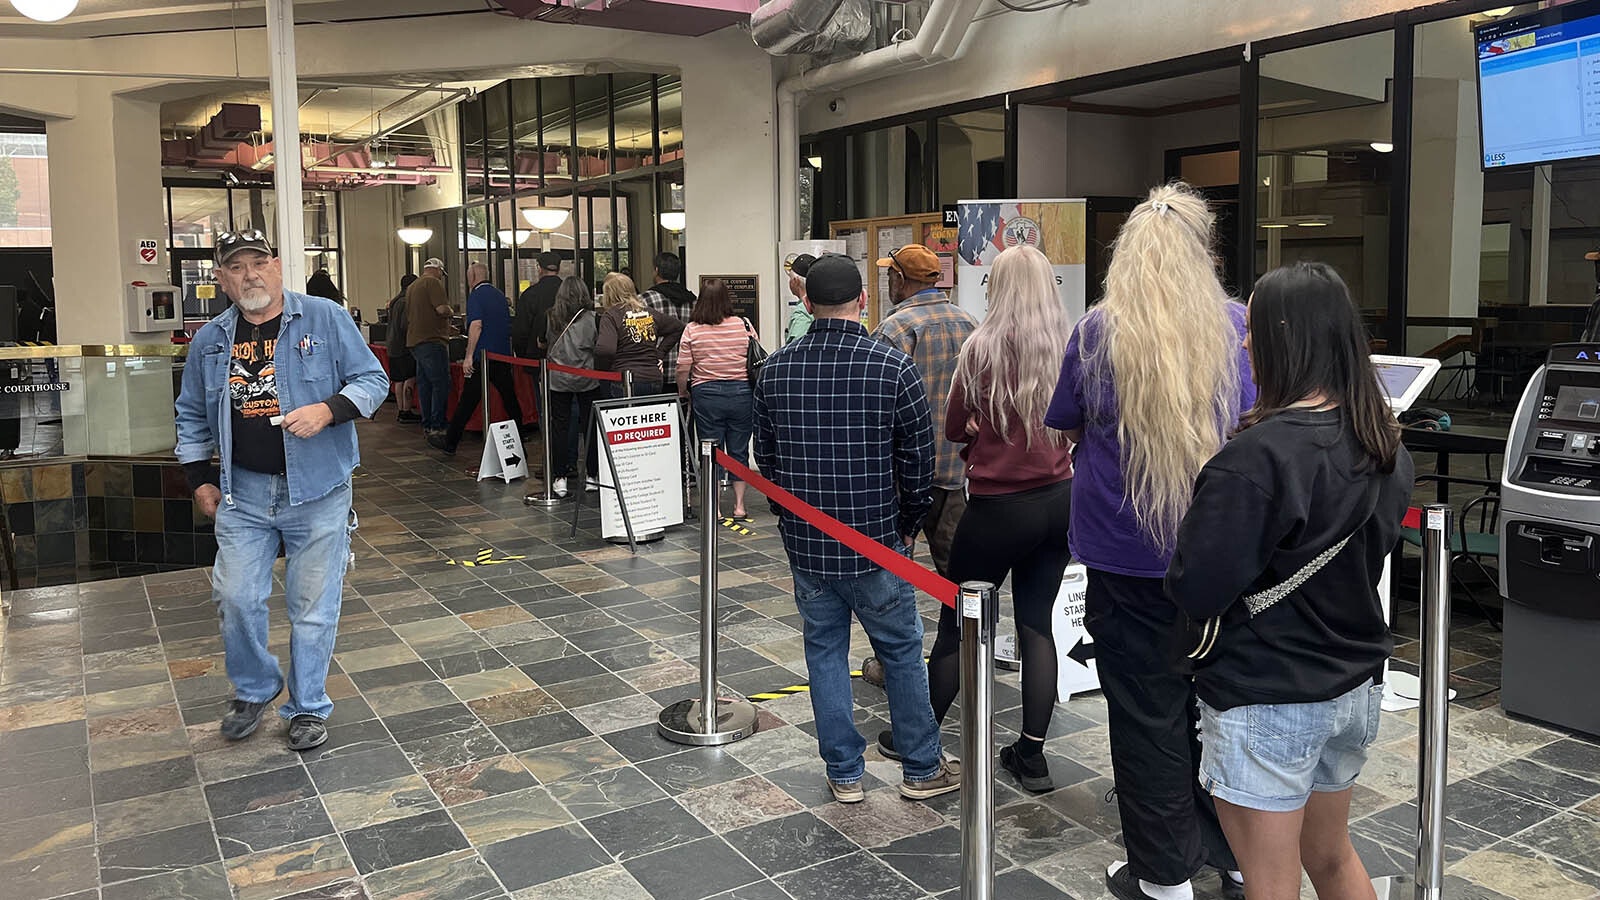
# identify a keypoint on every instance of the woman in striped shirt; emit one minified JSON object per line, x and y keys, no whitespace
{"x":711,"y":372}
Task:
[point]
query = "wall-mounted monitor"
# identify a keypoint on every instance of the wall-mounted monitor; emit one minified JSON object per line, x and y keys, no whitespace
{"x":1539,"y":86}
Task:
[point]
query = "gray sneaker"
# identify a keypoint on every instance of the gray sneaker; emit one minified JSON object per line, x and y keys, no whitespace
{"x":945,"y":781}
{"x":847,"y":793}
{"x":307,"y":731}
{"x":242,"y":719}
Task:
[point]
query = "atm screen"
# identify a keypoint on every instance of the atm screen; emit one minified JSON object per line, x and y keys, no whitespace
{"x":1572,"y":398}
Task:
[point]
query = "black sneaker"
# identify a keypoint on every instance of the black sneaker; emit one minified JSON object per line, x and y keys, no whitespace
{"x":407,"y":418}
{"x":886,"y":745}
{"x":440,"y":443}
{"x":1231,"y":890}
{"x":1124,"y":886}
{"x":242,"y":719}
{"x":307,"y":731}
{"x":1032,"y":771}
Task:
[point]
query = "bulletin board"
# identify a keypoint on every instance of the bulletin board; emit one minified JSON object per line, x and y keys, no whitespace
{"x":868,"y":240}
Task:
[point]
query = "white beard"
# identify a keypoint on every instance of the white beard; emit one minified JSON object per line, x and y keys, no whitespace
{"x":254,"y":300}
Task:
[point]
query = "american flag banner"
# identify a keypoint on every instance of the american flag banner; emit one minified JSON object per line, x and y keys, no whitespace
{"x":980,"y":225}
{"x":986,"y":228}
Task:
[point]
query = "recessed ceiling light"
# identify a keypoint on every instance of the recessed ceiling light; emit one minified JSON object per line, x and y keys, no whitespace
{"x":1383,"y":146}
{"x":1498,"y":11}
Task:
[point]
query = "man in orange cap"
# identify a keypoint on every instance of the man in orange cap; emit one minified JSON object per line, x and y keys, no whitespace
{"x":926,"y":326}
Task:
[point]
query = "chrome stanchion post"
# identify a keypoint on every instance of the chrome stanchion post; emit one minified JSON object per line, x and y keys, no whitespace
{"x":545,"y":497}
{"x":483,"y":394}
{"x":1433,"y":752}
{"x":978,"y":608}
{"x":706,"y":720}
{"x":627,"y":384}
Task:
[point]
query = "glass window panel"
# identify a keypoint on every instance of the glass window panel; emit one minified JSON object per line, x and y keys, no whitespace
{"x":322,"y":219}
{"x":1322,"y":187}
{"x":555,"y":95}
{"x":498,"y":139}
{"x":474,"y":147}
{"x":670,"y":88}
{"x":635,"y":132}
{"x":889,"y":171}
{"x":594,"y":135}
{"x":24,"y":191}
{"x":972,"y":159}
{"x":198,"y":214}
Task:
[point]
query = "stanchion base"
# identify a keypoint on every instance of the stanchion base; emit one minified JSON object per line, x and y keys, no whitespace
{"x":681,"y":723}
{"x":1396,"y":887}
{"x":539,"y":500}
{"x":649,"y":538}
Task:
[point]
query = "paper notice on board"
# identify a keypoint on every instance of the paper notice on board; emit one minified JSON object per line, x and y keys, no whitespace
{"x":855,"y":244}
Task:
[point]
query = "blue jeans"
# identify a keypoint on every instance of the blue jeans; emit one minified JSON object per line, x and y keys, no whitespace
{"x":887,"y":609}
{"x":433,"y":383}
{"x":725,"y":413}
{"x":316,"y":542}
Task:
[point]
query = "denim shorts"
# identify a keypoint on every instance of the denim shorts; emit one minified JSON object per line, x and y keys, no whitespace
{"x":1271,"y":756}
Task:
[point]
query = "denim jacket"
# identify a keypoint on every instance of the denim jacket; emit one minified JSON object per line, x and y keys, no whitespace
{"x":319,"y":352}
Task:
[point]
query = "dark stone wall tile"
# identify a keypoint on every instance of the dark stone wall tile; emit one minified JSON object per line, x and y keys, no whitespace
{"x":80,"y":479}
{"x":27,"y":552}
{"x":179,"y":516}
{"x":80,"y":513}
{"x":96,"y":511}
{"x":149,"y":515}
{"x":119,"y":514}
{"x":57,"y":549}
{"x":94,"y":479}
{"x":20,"y":517}
{"x":51,"y":516}
{"x":16,"y":484}
{"x":174,"y":486}
{"x":118,"y":478}
{"x":82,"y":544}
{"x":179,"y":549}
{"x":99,"y":549}
{"x":52,"y":482}
{"x":152,"y":546}
{"x":147,"y":481}
{"x":120,"y":547}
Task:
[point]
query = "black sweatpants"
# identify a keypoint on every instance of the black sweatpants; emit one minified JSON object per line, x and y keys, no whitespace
{"x":1169,"y":824}
{"x":504,"y":379}
{"x":1023,"y":535}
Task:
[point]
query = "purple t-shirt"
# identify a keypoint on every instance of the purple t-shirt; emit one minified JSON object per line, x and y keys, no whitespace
{"x":1105,"y":533}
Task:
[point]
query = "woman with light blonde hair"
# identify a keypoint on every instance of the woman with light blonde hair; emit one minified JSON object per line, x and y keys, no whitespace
{"x":1153,"y":382}
{"x":1019,"y":486}
{"x":632,"y":337}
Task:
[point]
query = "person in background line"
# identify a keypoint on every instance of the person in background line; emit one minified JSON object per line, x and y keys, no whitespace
{"x":402,"y":365}
{"x":533,"y":308}
{"x":633,"y":338}
{"x":1152,"y":382}
{"x":272,"y":387}
{"x":711,"y":371}
{"x":800,"y":318}
{"x":320,"y":284}
{"x":570,"y":337}
{"x":1020,"y":477}
{"x":1290,"y":695}
{"x":428,"y":331}
{"x":670,"y":297}
{"x":927,"y":327}
{"x":842,"y":422}
{"x":488,"y":331}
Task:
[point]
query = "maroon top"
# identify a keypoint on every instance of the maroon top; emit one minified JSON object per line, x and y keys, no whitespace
{"x":1003,"y":464}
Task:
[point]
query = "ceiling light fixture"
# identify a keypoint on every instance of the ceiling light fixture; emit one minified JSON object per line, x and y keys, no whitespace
{"x":1498,"y":11}
{"x":45,"y":10}
{"x":416,"y":237}
{"x":674,"y":221}
{"x":511,"y":237}
{"x":546,"y":218}
{"x":1383,"y":146}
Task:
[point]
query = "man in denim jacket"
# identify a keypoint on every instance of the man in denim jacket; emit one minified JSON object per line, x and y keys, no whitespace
{"x":272,"y":386}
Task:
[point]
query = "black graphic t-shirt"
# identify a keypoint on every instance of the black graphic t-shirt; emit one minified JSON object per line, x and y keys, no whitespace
{"x":253,"y":396}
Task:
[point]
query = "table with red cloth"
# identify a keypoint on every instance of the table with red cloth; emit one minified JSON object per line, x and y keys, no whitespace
{"x":527,"y":393}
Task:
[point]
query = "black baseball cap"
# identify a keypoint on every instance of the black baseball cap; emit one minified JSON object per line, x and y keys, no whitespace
{"x":230,"y":242}
{"x":801,"y":264}
{"x":833,"y":280}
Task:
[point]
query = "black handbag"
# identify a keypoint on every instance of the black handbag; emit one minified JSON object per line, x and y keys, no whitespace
{"x":755,"y":355}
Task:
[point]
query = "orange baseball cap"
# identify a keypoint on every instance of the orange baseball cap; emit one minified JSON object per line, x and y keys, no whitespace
{"x":915,"y":262}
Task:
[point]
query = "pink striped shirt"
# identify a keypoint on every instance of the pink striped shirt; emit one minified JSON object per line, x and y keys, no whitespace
{"x":714,"y":352}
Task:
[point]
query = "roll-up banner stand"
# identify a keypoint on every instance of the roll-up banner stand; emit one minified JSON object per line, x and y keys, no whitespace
{"x":1056,"y":227}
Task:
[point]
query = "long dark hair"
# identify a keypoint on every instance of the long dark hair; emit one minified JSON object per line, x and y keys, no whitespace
{"x":1306,"y":338}
{"x":714,"y":305}
{"x":321,"y":285}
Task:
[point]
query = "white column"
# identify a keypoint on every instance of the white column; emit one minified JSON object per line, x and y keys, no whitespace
{"x":286,"y":143}
{"x":1539,"y":260}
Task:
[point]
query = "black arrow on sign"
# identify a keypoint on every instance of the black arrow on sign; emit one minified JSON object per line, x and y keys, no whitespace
{"x":511,"y":461}
{"x":1081,"y":652}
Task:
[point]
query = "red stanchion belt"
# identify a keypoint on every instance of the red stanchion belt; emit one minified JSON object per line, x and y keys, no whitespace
{"x":923,"y":579}
{"x":554,"y":367}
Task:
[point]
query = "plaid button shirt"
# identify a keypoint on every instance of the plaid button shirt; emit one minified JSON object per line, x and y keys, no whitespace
{"x":678,"y":309}
{"x":842,"y":422}
{"x":930,"y":329}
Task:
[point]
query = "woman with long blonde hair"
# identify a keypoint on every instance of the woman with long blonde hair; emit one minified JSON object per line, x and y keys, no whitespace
{"x":1152,"y":383}
{"x":632,"y":337}
{"x":1019,"y":486}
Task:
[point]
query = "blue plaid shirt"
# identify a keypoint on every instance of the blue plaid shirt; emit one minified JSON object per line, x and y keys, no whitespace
{"x":842,"y":422}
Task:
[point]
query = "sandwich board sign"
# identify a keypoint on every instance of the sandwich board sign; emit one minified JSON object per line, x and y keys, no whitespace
{"x":643,"y":459}
{"x":503,"y":456}
{"x":1075,"y":665}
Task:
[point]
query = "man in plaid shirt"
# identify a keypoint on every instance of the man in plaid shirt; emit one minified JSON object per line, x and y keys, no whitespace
{"x":930,"y":329}
{"x":842,"y":421}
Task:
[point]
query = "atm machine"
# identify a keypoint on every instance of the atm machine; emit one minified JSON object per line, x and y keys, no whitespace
{"x":1550,"y":544}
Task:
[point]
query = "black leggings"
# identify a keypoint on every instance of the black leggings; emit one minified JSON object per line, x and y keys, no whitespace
{"x":1025,"y":535}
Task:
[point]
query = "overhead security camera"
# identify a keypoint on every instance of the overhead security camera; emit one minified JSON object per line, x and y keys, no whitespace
{"x":836,"y":106}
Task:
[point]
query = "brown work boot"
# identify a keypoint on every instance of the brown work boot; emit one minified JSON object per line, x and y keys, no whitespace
{"x":872,"y":671}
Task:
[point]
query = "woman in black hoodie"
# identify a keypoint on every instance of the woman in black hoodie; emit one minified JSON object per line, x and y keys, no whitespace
{"x":1280,"y":555}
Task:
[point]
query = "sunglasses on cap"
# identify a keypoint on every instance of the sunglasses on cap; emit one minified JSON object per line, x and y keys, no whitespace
{"x":229,"y":238}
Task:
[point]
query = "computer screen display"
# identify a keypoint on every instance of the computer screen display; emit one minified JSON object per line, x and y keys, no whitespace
{"x":1397,"y":379}
{"x":1539,"y":86}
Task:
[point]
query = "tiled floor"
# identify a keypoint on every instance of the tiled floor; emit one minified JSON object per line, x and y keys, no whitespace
{"x":493,"y":737}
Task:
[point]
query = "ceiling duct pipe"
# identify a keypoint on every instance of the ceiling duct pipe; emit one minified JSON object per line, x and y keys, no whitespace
{"x":781,"y":27}
{"x":936,"y":41}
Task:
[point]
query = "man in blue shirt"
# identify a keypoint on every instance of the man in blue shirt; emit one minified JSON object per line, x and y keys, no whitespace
{"x":842,"y":421}
{"x":273,"y":386}
{"x":488,"y":330}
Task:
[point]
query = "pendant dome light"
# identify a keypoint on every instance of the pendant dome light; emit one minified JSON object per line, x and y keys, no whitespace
{"x":45,"y":10}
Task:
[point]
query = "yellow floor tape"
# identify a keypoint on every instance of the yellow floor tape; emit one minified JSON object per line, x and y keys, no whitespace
{"x":780,"y":693}
{"x":737,"y":528}
{"x":484,"y":558}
